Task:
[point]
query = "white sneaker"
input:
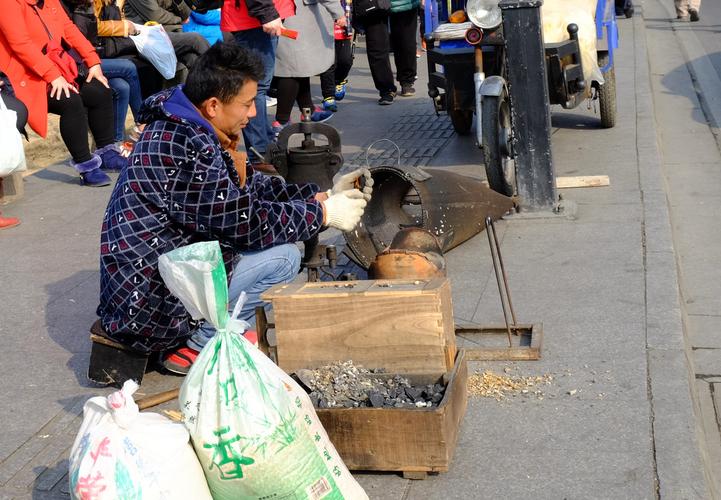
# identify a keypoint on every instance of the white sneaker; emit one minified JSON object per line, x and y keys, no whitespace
{"x":270,"y":101}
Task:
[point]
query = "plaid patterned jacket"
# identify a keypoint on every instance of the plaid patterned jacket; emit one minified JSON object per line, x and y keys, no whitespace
{"x":181,"y":187}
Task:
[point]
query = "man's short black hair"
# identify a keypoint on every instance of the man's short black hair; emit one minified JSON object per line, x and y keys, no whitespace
{"x":221,"y":72}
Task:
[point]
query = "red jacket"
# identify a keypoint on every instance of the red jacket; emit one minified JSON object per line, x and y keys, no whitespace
{"x":241,"y":15}
{"x":22,"y":39}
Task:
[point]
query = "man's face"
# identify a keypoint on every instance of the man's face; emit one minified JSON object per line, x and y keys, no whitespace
{"x":233,"y":116}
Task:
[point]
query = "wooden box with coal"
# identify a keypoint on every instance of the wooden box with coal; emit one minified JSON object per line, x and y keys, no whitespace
{"x":401,"y":327}
{"x":413,"y":441}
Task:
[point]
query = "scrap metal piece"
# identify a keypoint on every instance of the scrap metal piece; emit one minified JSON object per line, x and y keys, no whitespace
{"x":451,"y":206}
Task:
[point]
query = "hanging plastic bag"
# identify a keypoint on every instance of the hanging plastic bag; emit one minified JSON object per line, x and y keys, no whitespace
{"x":254,"y":429}
{"x":12,"y":154}
{"x":122,"y":453}
{"x":154,"y":45}
{"x":557,"y":15}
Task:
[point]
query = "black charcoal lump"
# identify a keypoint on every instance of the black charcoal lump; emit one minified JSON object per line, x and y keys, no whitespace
{"x":345,"y":385}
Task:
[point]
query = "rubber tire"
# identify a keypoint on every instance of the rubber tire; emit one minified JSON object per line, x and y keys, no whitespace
{"x":462,"y":120}
{"x":607,"y":95}
{"x":492,"y":155}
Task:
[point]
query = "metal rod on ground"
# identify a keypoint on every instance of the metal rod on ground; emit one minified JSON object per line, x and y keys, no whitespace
{"x":157,"y":399}
{"x":491,"y":235}
{"x":503,"y":272}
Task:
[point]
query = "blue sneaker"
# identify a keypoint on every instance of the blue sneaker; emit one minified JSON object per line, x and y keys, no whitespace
{"x":329,"y":104}
{"x":320,"y":115}
{"x":340,"y":90}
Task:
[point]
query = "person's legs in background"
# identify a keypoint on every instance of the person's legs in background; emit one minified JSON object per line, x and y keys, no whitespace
{"x":121,"y":97}
{"x":287,"y":94}
{"x":123,"y":78}
{"x":377,"y":49}
{"x":258,"y":133}
{"x":344,"y":62}
{"x":74,"y":132}
{"x":98,"y":102}
{"x":327,"y":88}
{"x":334,"y":81}
{"x":681,"y":9}
{"x":404,"y":26}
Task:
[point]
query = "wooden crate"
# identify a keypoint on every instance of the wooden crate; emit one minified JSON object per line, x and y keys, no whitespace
{"x":408,"y":440}
{"x":404,"y":326}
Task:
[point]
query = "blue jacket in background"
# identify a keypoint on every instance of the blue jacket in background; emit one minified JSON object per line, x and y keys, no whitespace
{"x":208,"y":25}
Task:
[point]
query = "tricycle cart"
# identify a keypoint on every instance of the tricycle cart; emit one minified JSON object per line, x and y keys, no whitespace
{"x":467,"y":75}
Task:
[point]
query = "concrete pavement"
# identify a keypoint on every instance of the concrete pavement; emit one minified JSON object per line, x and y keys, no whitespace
{"x":617,"y":420}
{"x":686,"y":81}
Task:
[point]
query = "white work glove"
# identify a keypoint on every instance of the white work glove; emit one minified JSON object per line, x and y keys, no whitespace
{"x":347,"y":181}
{"x":344,"y":210}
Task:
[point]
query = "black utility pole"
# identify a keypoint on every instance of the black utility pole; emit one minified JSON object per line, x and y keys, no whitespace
{"x":530,"y":107}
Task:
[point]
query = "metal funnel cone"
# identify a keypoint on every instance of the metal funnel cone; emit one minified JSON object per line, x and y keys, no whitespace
{"x":451,"y":206}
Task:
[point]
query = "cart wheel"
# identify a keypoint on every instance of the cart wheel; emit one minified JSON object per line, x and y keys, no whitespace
{"x":500,"y":167}
{"x":462,"y":120}
{"x":607,"y":94}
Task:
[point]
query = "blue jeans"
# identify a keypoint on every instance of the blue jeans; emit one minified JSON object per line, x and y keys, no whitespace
{"x":123,"y":78}
{"x":258,"y":132}
{"x":254,"y":273}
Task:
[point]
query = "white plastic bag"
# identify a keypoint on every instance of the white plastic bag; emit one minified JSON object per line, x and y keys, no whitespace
{"x":254,"y":429}
{"x":12,"y":154}
{"x":154,"y":45}
{"x":122,"y":453}
{"x":557,"y":15}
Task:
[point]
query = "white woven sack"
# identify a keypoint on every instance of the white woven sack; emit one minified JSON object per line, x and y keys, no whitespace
{"x":122,"y":453}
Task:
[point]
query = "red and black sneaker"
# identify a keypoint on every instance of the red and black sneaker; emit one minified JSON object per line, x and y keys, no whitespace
{"x":180,"y":360}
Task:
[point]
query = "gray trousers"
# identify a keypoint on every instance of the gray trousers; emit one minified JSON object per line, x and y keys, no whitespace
{"x":682,"y":6}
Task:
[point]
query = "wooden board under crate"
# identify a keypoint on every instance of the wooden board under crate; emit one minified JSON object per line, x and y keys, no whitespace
{"x":404,"y":326}
{"x":408,"y":440}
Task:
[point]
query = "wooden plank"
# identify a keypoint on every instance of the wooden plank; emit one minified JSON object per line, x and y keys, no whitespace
{"x":582,"y":181}
{"x":157,"y":399}
{"x":346,"y":288}
{"x":401,"y":439}
{"x":482,"y":338}
{"x":402,"y":331}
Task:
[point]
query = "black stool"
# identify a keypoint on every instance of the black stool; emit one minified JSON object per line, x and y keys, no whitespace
{"x":112,"y":363}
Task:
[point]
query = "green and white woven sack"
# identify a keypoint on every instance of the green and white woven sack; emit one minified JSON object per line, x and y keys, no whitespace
{"x":253,"y":428}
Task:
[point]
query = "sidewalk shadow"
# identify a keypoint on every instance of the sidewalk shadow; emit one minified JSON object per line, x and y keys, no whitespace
{"x":69,"y":313}
{"x":55,"y":176}
{"x":574,"y":121}
{"x":673,"y":84}
{"x":679,"y":26}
